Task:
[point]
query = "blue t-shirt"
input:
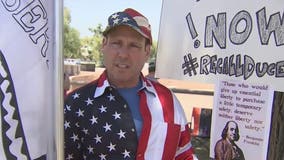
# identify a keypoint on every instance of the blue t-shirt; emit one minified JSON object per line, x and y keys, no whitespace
{"x":132,"y":98}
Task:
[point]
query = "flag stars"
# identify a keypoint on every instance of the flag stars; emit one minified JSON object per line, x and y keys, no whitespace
{"x":99,"y":133}
{"x":68,"y":107}
{"x":69,"y":157}
{"x":89,"y":101}
{"x":102,"y":109}
{"x":66,"y":124}
{"x":102,"y":156}
{"x":111,"y":147}
{"x":86,"y":131}
{"x":107,"y":127}
{"x":90,"y":149}
{"x":116,"y":115}
{"x":115,"y":21}
{"x":121,"y":134}
{"x":80,"y":113}
{"x":126,"y":154}
{"x":94,"y":120}
{"x":125,"y":19}
{"x":111,"y":97}
{"x":98,"y":139}
{"x":75,"y":95}
{"x":74,"y":137}
{"x":114,"y":16}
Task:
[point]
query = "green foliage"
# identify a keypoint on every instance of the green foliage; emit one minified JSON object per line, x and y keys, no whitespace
{"x":92,"y":45}
{"x":71,"y":38}
{"x":153,"y":51}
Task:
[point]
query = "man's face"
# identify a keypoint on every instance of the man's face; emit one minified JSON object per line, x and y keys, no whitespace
{"x":231,"y":134}
{"x":124,"y":52}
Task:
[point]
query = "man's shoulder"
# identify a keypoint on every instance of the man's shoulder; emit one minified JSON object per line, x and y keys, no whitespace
{"x":85,"y":89}
{"x":158,"y":85}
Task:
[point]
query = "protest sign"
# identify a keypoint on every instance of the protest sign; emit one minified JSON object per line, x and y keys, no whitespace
{"x":247,"y":105}
{"x":208,"y":40}
{"x":27,"y":75}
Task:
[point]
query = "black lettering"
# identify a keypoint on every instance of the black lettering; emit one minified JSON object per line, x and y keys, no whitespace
{"x":248,"y":66}
{"x":280,"y":69}
{"x":260,"y":72}
{"x":215,"y":29}
{"x":239,"y":37}
{"x":204,"y":62}
{"x":33,"y":20}
{"x":274,"y":25}
{"x":11,"y":6}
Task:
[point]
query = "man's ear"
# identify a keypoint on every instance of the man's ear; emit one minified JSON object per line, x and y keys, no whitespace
{"x":104,"y":42}
{"x":148,"y":50}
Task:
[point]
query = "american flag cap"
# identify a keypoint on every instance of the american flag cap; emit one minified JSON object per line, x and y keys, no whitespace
{"x":131,"y":18}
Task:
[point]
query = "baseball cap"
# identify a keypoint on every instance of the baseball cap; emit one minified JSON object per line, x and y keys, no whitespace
{"x":131,"y":18}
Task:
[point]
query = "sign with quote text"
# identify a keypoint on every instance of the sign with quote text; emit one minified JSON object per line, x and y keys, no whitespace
{"x":249,"y":106}
{"x":204,"y":40}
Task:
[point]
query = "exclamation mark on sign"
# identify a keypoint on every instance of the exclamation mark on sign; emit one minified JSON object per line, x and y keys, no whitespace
{"x":192,"y":30}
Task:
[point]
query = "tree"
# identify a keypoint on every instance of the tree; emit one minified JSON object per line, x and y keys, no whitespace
{"x":92,"y":45}
{"x":153,"y":51}
{"x":71,"y":38}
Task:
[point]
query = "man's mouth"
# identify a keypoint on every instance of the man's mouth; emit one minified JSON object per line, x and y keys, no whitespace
{"x":124,"y":66}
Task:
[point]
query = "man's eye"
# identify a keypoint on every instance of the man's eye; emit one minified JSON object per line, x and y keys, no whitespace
{"x":135,"y":46}
{"x":115,"y":44}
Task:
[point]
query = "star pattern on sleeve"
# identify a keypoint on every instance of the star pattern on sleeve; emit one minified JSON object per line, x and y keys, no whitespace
{"x":66,"y":124}
{"x":98,"y":139}
{"x":111,"y":147}
{"x":107,"y":127}
{"x":74,"y":137}
{"x":121,"y":134}
{"x":89,"y":101}
{"x":98,"y":129}
{"x":90,"y":149}
{"x":116,"y":115}
{"x":94,"y":120}
{"x":102,"y":156}
{"x":75,"y":95}
{"x":80,"y":113}
{"x":111,"y":97}
{"x":103,"y":109}
{"x":126,"y":154}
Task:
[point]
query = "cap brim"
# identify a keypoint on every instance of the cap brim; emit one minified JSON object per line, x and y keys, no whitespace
{"x":108,"y":29}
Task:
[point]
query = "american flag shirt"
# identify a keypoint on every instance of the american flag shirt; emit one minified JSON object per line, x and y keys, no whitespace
{"x":98,"y":124}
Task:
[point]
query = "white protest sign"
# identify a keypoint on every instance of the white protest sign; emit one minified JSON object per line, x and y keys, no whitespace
{"x":205,"y":40}
{"x":250,"y":107}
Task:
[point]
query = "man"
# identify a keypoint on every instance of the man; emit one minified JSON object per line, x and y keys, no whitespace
{"x":66,"y":84}
{"x":151,"y":71}
{"x":226,"y":148}
{"x":123,"y":115}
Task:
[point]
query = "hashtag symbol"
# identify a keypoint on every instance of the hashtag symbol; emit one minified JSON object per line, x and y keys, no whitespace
{"x":190,"y":64}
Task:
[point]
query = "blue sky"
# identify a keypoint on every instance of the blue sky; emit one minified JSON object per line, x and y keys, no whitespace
{"x":89,"y":13}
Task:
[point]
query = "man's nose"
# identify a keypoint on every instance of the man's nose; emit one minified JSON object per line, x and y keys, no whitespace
{"x":123,"y":51}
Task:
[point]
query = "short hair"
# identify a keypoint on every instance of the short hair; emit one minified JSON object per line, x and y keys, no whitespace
{"x":225,"y":130}
{"x":152,"y":67}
